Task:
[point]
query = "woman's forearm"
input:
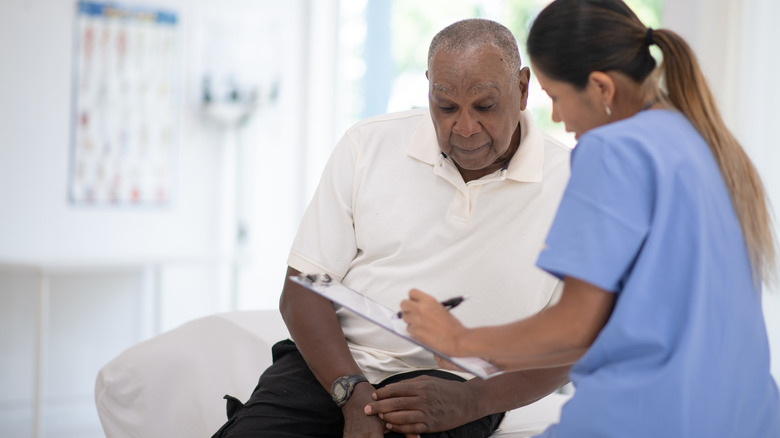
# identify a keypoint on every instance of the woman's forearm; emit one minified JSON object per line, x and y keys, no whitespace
{"x":556,"y":336}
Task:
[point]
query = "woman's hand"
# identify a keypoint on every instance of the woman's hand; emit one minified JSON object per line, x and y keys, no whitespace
{"x":430,"y":323}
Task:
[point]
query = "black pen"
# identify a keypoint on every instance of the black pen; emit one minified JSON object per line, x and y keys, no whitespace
{"x":448,"y":304}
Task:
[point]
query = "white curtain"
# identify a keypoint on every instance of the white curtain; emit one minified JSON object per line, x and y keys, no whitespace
{"x":735,"y":42}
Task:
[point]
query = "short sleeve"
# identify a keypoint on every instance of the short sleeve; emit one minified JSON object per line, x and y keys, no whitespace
{"x":605,"y":213}
{"x":326,"y":241}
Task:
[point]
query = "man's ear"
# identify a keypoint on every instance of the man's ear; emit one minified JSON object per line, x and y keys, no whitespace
{"x":522,"y":83}
{"x":601,"y":86}
{"x":426,"y":75}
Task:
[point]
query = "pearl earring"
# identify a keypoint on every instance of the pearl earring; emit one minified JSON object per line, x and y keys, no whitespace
{"x":609,"y":111}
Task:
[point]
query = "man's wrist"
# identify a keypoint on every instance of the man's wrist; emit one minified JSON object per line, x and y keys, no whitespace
{"x":361,"y":396}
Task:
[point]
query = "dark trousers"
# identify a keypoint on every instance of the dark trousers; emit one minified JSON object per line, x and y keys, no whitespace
{"x":289,"y":402}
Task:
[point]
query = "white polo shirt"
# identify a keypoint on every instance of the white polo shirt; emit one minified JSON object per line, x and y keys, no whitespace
{"x":392,"y":213}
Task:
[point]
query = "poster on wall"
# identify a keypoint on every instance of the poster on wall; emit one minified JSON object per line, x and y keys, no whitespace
{"x":124,"y":106}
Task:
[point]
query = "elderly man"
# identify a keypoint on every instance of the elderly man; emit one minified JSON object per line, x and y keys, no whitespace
{"x":454,"y":199}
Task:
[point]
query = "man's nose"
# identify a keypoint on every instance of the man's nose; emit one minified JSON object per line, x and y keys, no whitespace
{"x":466,"y":124}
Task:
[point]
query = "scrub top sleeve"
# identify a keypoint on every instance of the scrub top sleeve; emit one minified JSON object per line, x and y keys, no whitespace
{"x":604,"y":216}
{"x":326,"y":241}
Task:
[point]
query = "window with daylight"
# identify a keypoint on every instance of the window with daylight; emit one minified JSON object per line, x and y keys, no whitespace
{"x":384,"y":48}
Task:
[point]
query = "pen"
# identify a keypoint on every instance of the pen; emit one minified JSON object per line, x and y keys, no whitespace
{"x":448,"y":304}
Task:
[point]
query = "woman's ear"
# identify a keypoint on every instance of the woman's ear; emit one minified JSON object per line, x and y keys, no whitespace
{"x":601,"y":86}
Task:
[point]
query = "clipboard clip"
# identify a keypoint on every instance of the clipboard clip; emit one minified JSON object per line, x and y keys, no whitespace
{"x":316,"y":279}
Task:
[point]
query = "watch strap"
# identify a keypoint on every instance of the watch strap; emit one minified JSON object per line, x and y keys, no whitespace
{"x":348,"y":383}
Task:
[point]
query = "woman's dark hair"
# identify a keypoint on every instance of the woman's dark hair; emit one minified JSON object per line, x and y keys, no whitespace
{"x":570,"y":39}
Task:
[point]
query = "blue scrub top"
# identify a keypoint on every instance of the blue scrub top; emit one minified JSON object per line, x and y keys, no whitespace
{"x":646,"y":215}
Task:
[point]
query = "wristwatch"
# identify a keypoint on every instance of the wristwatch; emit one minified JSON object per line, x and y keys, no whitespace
{"x":342,"y":388}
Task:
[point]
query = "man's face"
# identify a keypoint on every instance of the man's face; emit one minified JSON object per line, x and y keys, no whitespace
{"x":475,"y":105}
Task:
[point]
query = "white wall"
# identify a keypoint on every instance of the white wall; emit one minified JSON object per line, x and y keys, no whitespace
{"x":38,"y":225}
{"x":36,"y":220}
{"x":101,"y":262}
{"x":754,"y":111}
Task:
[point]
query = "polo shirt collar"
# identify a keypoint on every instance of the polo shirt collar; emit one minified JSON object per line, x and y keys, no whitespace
{"x":525,"y":166}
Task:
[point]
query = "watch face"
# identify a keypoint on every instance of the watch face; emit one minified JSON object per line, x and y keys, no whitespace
{"x":339,"y":391}
{"x":342,"y":388}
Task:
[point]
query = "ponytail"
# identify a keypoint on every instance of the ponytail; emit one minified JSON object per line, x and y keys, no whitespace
{"x":687,"y":90}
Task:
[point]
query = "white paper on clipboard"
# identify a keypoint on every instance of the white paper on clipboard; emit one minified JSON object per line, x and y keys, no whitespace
{"x":384,"y":317}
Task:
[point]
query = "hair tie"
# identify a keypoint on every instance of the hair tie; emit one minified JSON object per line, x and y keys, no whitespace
{"x":649,"y":37}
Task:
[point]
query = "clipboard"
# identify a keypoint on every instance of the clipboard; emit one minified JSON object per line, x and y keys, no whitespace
{"x":384,"y":317}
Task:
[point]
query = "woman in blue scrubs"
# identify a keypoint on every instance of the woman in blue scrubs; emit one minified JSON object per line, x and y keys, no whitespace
{"x":663,"y":239}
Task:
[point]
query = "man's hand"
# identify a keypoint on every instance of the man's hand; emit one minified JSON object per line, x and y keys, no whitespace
{"x":356,"y":423}
{"x":424,"y":404}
